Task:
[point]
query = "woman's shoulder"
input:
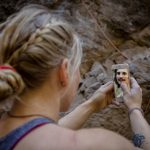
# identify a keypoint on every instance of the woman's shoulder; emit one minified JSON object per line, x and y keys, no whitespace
{"x":49,"y":136}
{"x":54,"y":137}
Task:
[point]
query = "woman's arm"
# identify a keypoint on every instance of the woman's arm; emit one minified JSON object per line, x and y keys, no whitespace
{"x":75,"y":119}
{"x":100,"y":99}
{"x":140,"y":127}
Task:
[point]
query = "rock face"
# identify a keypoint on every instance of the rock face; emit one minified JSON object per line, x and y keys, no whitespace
{"x":112,"y":31}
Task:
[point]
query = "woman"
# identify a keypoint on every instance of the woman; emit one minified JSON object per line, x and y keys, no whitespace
{"x":39,"y":75}
{"x":121,"y":75}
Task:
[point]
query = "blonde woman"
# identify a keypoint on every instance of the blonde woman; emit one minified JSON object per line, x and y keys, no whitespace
{"x":39,"y":76}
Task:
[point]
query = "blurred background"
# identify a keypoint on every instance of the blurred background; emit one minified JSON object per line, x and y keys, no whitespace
{"x":112,"y":31}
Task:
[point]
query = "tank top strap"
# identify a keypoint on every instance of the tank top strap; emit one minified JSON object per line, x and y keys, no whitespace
{"x":9,"y":141}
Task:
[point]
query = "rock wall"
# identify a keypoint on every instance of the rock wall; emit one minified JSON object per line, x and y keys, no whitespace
{"x":112,"y":31}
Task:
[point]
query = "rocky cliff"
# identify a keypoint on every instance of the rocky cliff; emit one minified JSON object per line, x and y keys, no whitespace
{"x":112,"y":31}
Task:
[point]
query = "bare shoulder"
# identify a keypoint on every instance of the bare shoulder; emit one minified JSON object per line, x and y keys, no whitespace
{"x":102,"y":139}
{"x":48,"y":137}
{"x":54,"y":137}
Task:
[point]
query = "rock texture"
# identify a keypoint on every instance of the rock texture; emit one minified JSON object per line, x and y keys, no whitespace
{"x":112,"y":31}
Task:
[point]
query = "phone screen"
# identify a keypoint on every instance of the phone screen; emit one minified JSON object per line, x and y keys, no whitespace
{"x":120,"y":74}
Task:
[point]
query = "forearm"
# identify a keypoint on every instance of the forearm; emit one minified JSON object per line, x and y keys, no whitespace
{"x":100,"y":99}
{"x":141,"y":130}
{"x":76,"y":118}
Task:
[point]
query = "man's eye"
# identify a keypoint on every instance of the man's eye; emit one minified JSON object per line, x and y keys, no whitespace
{"x":118,"y":73}
{"x":124,"y":73}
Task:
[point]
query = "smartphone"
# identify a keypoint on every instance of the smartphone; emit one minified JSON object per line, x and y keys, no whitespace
{"x":120,"y":74}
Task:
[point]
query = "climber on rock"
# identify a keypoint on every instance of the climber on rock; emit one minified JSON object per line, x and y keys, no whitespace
{"x":40,"y":56}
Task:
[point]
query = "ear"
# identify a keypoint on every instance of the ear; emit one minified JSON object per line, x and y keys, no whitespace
{"x":63,"y":72}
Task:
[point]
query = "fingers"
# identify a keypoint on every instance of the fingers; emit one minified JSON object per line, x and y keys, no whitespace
{"x":108,"y":83}
{"x":115,"y":103}
{"x":125,"y":88}
{"x":109,"y":98}
{"x":107,"y":87}
{"x":134,"y":83}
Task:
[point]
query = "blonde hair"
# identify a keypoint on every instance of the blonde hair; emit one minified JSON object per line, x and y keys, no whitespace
{"x":33,"y":42}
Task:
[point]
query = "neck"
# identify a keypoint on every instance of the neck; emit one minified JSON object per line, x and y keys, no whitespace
{"x":38,"y":104}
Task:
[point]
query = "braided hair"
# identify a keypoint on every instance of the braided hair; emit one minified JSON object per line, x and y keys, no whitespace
{"x":34,"y":42}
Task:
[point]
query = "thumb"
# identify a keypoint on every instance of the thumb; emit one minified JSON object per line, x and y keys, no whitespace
{"x":107,"y":87}
{"x":125,"y":88}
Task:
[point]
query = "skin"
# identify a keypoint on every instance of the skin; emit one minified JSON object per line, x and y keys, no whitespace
{"x":133,"y":99}
{"x":48,"y":100}
{"x":79,"y":115}
{"x":122,"y":75}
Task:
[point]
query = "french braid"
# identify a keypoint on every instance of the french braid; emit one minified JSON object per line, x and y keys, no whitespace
{"x":34,"y":45}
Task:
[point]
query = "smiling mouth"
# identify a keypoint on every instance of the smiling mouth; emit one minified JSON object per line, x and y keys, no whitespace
{"x":121,"y":79}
